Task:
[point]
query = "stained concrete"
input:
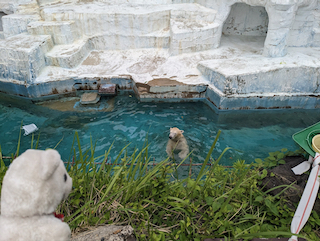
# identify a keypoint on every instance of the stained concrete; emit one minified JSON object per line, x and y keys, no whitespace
{"x":233,"y":76}
{"x":179,"y":45}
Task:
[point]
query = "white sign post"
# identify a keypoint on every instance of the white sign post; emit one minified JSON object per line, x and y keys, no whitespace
{"x":308,"y":198}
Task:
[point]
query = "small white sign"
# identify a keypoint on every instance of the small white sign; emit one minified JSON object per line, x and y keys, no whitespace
{"x":29,"y":129}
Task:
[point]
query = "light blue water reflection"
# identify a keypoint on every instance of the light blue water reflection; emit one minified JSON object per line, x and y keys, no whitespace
{"x":251,"y":134}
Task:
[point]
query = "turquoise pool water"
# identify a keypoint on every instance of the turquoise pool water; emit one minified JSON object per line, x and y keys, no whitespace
{"x":123,"y":119}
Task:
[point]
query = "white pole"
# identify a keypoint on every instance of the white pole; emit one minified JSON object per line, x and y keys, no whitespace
{"x":307,"y":200}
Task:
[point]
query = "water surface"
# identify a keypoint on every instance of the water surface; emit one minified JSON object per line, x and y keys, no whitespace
{"x":123,"y":120}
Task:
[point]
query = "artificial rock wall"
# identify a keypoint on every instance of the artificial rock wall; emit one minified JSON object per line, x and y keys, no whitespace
{"x":246,"y":20}
{"x":291,"y":22}
{"x":61,"y":33}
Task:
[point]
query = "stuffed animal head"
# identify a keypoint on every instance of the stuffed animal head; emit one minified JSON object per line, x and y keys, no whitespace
{"x":34,"y":184}
{"x":175,"y":133}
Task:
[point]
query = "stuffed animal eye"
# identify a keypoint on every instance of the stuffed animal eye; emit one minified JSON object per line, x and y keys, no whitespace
{"x":65,"y":177}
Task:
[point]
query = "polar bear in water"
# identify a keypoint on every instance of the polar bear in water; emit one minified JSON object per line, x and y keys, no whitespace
{"x":177,"y":143}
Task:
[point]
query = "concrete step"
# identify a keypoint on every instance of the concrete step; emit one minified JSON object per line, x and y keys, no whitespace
{"x":316,"y":14}
{"x":97,"y":19}
{"x":316,"y":29}
{"x":193,"y":13}
{"x":14,"y":24}
{"x":250,"y":82}
{"x":193,"y":37}
{"x":159,"y":39}
{"x":22,"y":57}
{"x":183,"y":28}
{"x":68,"y":55}
{"x":94,"y":19}
{"x":247,"y":76}
{"x":62,"y":32}
{"x":193,"y":29}
{"x":316,"y":37}
{"x":163,"y":88}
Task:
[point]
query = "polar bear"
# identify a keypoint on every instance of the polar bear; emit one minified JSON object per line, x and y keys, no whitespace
{"x":33,"y":186}
{"x":177,"y":142}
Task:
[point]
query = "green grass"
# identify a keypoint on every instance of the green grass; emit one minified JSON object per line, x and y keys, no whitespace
{"x":219,"y":202}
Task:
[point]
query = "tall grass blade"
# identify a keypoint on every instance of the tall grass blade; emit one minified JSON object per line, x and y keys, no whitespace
{"x":72,"y":145}
{"x":58,"y":143}
{"x":37,"y":143}
{"x":103,"y":164}
{"x":19,"y":140}
{"x":79,"y":146}
{"x":201,"y":173}
{"x":32,"y":140}
{"x":214,"y":167}
{"x":2,"y":164}
{"x":116,"y":161}
{"x":110,"y":186}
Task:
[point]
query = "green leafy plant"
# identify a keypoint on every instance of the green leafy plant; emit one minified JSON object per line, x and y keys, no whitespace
{"x":219,"y":202}
{"x":276,"y":158}
{"x":3,"y":169}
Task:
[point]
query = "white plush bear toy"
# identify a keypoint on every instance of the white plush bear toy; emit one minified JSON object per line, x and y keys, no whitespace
{"x":33,"y":186}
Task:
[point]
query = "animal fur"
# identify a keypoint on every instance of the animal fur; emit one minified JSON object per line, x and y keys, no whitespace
{"x":177,"y":143}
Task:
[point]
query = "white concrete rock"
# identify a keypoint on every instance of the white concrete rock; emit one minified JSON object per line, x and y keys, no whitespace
{"x":194,"y":42}
{"x":22,"y":57}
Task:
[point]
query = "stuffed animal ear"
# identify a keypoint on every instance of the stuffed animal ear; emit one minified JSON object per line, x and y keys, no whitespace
{"x":51,"y":160}
{"x":182,"y":131}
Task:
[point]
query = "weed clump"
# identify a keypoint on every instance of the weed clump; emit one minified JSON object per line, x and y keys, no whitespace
{"x":218,"y":202}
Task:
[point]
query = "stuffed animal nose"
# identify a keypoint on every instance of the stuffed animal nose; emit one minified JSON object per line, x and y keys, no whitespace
{"x":170,"y":137}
